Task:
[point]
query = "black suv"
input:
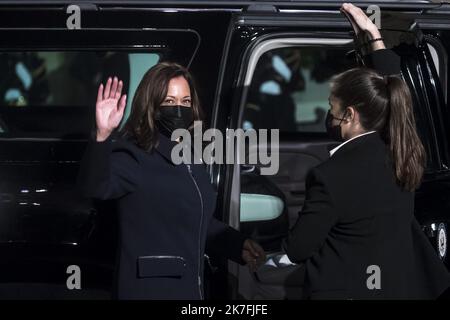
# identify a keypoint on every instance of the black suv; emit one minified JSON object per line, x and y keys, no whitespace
{"x":258,"y":65}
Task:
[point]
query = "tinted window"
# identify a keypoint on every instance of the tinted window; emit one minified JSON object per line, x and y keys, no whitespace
{"x":51,"y":94}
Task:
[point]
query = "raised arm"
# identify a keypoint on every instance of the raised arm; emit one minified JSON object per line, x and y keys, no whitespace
{"x":109,"y":169}
{"x":384,"y":61}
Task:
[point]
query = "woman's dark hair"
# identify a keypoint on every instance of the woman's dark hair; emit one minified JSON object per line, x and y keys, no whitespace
{"x":147,"y":100}
{"x":384,"y":104}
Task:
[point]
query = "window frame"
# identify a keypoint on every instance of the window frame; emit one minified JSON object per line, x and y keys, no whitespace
{"x":279,"y":43}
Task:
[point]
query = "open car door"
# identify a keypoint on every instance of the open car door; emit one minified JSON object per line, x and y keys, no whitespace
{"x":275,"y":76}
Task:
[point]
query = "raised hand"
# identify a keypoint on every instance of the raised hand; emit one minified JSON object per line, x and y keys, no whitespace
{"x":109,"y":107}
{"x":361,"y":23}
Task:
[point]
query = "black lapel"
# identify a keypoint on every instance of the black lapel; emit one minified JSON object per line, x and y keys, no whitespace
{"x":165,"y":146}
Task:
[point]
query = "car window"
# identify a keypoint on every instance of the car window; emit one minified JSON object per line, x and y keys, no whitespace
{"x":290,"y":87}
{"x":51,"y":94}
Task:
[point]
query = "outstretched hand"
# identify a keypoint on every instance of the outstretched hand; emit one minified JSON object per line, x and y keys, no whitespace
{"x":253,"y":254}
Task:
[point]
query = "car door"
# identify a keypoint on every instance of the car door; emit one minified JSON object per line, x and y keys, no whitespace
{"x":50,"y":77}
{"x":275,"y":76}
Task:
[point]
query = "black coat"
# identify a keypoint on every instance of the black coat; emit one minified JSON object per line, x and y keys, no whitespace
{"x":165,"y":217}
{"x":356,"y":216}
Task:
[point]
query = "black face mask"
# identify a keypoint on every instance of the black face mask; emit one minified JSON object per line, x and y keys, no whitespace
{"x":174,"y":117}
{"x":334,"y":131}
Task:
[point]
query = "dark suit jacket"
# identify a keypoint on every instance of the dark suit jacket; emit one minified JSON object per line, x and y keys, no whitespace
{"x":355,"y":216}
{"x":165,"y":217}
